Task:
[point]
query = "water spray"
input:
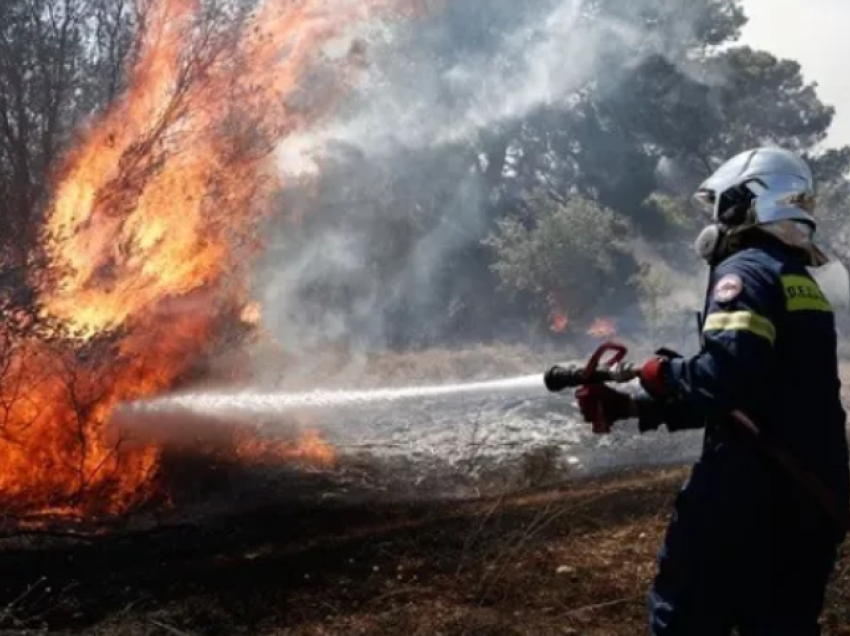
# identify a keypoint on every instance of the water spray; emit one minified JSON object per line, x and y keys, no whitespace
{"x":249,"y":403}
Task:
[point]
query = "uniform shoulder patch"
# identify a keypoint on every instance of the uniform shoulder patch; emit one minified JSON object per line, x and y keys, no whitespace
{"x":728,"y":288}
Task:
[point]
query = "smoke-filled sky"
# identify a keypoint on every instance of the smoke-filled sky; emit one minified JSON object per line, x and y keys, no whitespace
{"x":815,"y":34}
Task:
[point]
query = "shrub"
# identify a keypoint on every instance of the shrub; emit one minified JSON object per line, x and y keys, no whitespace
{"x":562,"y":248}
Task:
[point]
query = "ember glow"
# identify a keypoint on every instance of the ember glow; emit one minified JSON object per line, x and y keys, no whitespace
{"x":153,"y":220}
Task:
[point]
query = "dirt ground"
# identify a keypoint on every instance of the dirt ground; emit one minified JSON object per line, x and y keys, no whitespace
{"x":567,"y":559}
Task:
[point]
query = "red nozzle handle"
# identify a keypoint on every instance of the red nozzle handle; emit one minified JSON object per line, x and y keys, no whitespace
{"x":618,"y":350}
{"x":600,"y":424}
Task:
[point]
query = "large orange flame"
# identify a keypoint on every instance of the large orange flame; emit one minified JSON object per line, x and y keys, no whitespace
{"x":153,"y":218}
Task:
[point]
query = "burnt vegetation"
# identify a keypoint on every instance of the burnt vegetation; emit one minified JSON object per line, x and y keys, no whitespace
{"x":564,"y":558}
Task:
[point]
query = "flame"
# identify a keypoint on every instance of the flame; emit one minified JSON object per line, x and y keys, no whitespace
{"x":559,"y":320}
{"x":602,"y":328}
{"x":251,"y":314}
{"x":559,"y":323}
{"x":154,"y":217}
{"x":309,"y":449}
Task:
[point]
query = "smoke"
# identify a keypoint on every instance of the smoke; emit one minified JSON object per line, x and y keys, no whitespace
{"x":409,"y":149}
{"x":445,"y":81}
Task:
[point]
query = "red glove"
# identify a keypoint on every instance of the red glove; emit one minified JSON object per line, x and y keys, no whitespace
{"x":602,"y":406}
{"x":652,"y":377}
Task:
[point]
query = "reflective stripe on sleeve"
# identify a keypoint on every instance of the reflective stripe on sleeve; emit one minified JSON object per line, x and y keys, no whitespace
{"x":741,"y":321}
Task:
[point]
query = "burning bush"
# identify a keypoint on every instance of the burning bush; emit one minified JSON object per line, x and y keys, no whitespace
{"x":153,"y":220}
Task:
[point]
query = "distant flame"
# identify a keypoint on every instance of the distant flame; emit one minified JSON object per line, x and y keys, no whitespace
{"x":559,"y":320}
{"x":153,"y":221}
{"x":251,"y":314}
{"x":602,"y":328}
{"x":559,"y":323}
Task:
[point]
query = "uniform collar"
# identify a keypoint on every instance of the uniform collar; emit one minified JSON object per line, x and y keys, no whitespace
{"x":774,"y":247}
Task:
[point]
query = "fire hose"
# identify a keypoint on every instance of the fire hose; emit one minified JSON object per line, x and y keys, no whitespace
{"x":603,"y":368}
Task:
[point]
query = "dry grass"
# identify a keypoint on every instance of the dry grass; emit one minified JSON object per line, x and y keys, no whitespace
{"x":571,"y":559}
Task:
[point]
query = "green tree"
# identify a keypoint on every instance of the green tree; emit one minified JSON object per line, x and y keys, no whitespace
{"x":569,"y":250}
{"x":763,"y":99}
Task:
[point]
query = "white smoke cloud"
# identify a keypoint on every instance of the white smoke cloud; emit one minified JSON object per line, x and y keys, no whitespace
{"x":412,"y":98}
{"x":427,"y":88}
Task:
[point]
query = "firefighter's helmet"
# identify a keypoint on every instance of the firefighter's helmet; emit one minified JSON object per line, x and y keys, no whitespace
{"x":758,"y":187}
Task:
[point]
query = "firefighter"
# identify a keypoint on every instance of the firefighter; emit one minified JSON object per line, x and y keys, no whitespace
{"x":747,"y":547}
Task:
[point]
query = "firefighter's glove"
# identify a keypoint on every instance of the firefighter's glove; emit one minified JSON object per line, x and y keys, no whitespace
{"x":654,"y":376}
{"x":658,"y":391}
{"x":601,"y":405}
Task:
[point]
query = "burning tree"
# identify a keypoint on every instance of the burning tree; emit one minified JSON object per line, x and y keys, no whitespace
{"x":142,"y":259}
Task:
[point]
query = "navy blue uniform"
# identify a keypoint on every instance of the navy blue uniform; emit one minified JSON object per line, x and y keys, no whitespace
{"x":747,"y":546}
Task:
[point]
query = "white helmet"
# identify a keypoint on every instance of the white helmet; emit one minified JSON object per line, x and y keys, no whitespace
{"x":771,"y":189}
{"x":760,"y":186}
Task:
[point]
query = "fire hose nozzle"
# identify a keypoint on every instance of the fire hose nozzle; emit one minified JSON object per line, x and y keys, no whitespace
{"x":570,"y":376}
{"x":563,"y":376}
{"x":605,"y":365}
